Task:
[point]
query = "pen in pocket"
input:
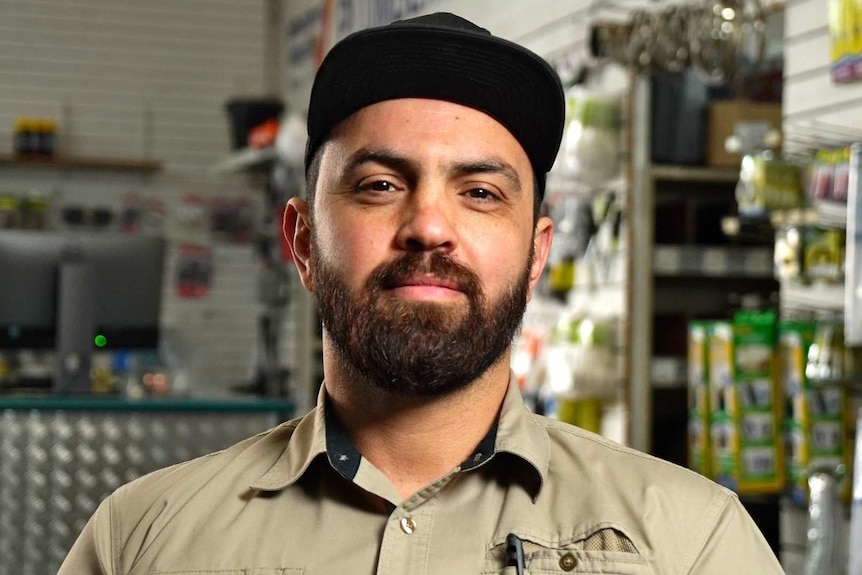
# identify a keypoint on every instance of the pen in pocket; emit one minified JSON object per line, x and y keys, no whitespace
{"x":515,"y":553}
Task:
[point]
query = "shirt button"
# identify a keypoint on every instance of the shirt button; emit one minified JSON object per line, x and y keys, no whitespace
{"x":568,"y":562}
{"x":408,"y":526}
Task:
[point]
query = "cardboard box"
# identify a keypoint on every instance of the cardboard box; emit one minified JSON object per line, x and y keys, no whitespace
{"x":737,"y":117}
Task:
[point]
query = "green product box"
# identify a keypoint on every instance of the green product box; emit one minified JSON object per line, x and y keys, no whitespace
{"x":747,"y":440}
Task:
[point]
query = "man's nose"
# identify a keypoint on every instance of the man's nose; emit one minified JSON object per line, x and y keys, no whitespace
{"x":427,"y":222}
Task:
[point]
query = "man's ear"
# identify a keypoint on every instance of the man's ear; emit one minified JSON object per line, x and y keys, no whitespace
{"x":542,"y":237}
{"x":297,"y":232}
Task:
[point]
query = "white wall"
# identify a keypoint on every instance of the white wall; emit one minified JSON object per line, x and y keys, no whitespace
{"x":113,"y":63}
{"x":810,"y":98}
{"x":136,"y":80}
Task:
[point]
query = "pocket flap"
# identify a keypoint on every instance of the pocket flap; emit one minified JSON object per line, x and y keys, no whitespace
{"x":244,"y":571}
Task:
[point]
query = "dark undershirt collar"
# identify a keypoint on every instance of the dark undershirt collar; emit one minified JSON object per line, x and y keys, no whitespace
{"x":345,"y":458}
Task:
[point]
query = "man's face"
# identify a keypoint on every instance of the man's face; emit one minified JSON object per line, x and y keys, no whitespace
{"x":423,"y":254}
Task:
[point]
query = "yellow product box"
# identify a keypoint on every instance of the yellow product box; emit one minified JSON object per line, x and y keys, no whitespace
{"x":817,"y":423}
{"x":699,"y":411}
{"x":745,"y":426}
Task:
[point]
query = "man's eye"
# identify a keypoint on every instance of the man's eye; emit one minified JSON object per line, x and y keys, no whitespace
{"x":377,"y":186}
{"x":481,"y":194}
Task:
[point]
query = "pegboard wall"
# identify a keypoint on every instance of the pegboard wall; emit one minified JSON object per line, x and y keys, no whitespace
{"x":814,"y":107}
{"x":147,"y":80}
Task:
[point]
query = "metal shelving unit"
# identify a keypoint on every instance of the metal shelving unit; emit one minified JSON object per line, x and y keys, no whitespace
{"x":702,"y":174}
{"x":827,"y":214}
{"x":679,"y":274}
{"x":712,"y":261}
{"x":79,"y":162}
{"x":828,"y":297}
{"x":641,"y":232}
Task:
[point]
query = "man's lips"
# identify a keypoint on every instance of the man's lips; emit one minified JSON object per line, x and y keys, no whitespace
{"x":427,"y":281}
{"x":426,"y":287}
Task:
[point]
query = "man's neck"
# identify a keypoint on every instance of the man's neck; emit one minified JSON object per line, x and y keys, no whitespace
{"x":414,"y":441}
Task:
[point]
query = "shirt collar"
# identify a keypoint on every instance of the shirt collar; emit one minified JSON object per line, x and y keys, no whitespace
{"x":517,"y":432}
{"x":521,"y":433}
{"x":307,"y":441}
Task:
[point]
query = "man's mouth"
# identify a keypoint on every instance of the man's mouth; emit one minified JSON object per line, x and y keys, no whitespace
{"x":426,"y":287}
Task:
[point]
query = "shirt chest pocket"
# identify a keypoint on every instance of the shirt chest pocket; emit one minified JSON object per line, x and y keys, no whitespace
{"x":603,"y":551}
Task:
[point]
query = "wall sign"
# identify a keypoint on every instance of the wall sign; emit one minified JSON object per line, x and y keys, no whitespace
{"x":845,"y":33}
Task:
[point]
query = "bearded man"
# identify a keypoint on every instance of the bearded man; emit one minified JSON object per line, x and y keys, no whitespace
{"x":429,"y":141}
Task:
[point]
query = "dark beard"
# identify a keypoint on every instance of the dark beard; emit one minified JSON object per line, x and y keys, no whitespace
{"x":414,"y":348}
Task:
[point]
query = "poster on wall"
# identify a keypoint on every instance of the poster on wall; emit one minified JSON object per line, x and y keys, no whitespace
{"x":312,"y":27}
{"x":845,"y":34}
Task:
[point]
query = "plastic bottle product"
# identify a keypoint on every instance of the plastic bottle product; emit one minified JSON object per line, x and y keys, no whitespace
{"x":823,"y":556}
{"x":856,"y":508}
{"x":46,"y":137}
{"x":23,"y":130}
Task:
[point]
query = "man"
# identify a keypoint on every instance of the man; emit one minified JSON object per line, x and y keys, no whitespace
{"x":429,"y":141}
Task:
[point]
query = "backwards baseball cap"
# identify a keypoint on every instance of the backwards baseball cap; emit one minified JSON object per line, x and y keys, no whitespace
{"x":442,"y":57}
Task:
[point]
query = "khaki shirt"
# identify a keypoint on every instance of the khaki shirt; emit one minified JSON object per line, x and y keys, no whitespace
{"x":299,"y":499}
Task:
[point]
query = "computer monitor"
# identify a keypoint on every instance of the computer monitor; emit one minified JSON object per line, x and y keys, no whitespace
{"x":99,"y":289}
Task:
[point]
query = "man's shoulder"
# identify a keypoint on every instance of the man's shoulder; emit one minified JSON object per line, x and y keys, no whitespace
{"x":240,"y":464}
{"x":576,"y":450}
{"x":181,"y":498}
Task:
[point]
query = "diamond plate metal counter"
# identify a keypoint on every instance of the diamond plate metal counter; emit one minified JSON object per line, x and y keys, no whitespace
{"x":56,"y":466}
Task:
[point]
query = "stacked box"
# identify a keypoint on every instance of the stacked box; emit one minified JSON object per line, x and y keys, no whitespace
{"x":817,"y":428}
{"x":699,"y":411}
{"x":746,"y":403}
{"x":723,"y":439}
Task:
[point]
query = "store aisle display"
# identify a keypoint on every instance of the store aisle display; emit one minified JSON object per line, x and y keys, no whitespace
{"x":814,"y":360}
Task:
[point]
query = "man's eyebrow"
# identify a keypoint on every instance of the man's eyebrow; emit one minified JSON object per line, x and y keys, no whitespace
{"x":488,"y":166}
{"x":379,"y":156}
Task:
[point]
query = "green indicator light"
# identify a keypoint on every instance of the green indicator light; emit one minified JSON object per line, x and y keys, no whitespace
{"x":100,"y":341}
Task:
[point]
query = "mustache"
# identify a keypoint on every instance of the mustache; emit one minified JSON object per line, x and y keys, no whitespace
{"x":389,"y":274}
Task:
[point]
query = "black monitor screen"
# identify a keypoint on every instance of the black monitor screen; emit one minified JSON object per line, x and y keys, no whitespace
{"x":127,"y":286}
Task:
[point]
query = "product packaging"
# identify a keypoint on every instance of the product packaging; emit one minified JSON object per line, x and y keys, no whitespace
{"x":747,"y":444}
{"x":699,"y":412}
{"x":809,"y":254}
{"x":592,"y":141}
{"x":823,"y":255}
{"x":816,"y":427}
{"x":768,"y":182}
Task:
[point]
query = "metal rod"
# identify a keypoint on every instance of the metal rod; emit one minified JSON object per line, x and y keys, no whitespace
{"x":640,"y":293}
